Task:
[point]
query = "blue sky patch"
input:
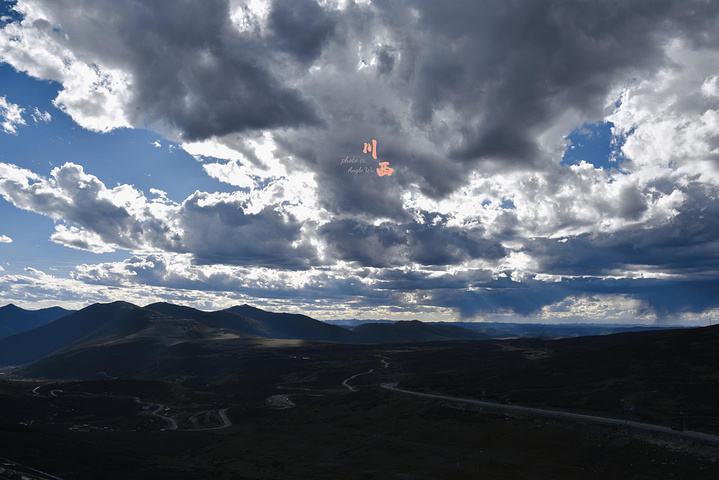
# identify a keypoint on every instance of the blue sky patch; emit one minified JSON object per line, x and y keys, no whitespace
{"x":114,"y":158}
{"x":592,"y":142}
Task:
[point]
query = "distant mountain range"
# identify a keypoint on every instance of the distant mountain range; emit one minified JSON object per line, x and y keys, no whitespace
{"x":14,"y":320}
{"x":102,"y":323}
{"x":123,"y":338}
{"x":534,"y":330}
{"x":155,"y":341}
{"x":412,"y":331}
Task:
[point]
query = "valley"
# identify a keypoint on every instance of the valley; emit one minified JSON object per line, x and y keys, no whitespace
{"x":143,"y":394}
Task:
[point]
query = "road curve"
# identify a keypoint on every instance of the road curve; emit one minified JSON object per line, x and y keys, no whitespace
{"x":553,"y":413}
{"x":172,"y":421}
{"x":45,"y":475}
{"x":351,"y":388}
{"x":226,"y":422}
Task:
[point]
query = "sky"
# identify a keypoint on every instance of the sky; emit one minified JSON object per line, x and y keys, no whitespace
{"x":533,"y":161}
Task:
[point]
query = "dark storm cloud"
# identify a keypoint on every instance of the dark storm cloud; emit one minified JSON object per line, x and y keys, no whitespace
{"x":504,"y":72}
{"x":685,"y":247}
{"x":442,"y":245}
{"x":340,"y":191}
{"x":471,"y":86}
{"x":375,"y":246}
{"x":513,"y":68}
{"x":507,"y":71}
{"x":633,"y":203}
{"x":301,"y":27}
{"x":660,"y":297}
{"x":394,"y":244}
{"x":193,"y":72}
{"x":518,"y":298}
{"x":385,"y":61}
{"x":220,"y":232}
{"x":214,"y":228}
{"x":474,"y":292}
{"x":449,"y":90}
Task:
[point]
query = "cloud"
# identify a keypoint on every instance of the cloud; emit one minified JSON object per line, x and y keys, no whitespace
{"x":120,"y":217}
{"x":326,"y":77}
{"x":39,"y":289}
{"x":465,"y":295}
{"x":39,"y":116}
{"x":392,"y":244}
{"x":470,"y":102}
{"x":80,"y":239}
{"x":183,"y":69}
{"x":301,"y":28}
{"x":5,"y":239}
{"x":221,"y":228}
{"x":10,"y":116}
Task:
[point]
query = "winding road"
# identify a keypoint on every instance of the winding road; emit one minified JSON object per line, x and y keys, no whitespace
{"x":170,"y":420}
{"x":156,"y":413}
{"x":553,"y":413}
{"x":12,"y":465}
{"x":172,"y":423}
{"x":226,"y":422}
{"x":351,"y":388}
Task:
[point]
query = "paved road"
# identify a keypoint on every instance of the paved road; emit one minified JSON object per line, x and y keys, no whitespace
{"x":281,"y":401}
{"x":553,"y":413}
{"x":226,"y":422}
{"x":353,"y":389}
{"x":11,"y":465}
{"x":170,"y":420}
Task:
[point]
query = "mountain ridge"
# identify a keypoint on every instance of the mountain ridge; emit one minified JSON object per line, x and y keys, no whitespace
{"x":15,"y":320}
{"x":104,"y":330}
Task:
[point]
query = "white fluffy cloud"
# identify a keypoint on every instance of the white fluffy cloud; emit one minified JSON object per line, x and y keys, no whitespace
{"x":670,"y":122}
{"x":10,"y":116}
{"x":39,"y":116}
{"x":214,"y":227}
{"x":91,"y":94}
{"x":470,"y":107}
{"x":5,"y":239}
{"x":120,"y":217}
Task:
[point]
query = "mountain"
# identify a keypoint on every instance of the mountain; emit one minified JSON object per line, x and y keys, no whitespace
{"x":101,"y":325}
{"x":163,"y":340}
{"x":290,"y":325}
{"x":222,"y":319}
{"x":170,"y":341}
{"x":658,"y":373}
{"x":14,"y":320}
{"x":261,"y":323}
{"x":543,"y":330}
{"x":534,"y":330}
{"x":94,"y":324}
{"x":122,"y":330}
{"x":412,"y":331}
